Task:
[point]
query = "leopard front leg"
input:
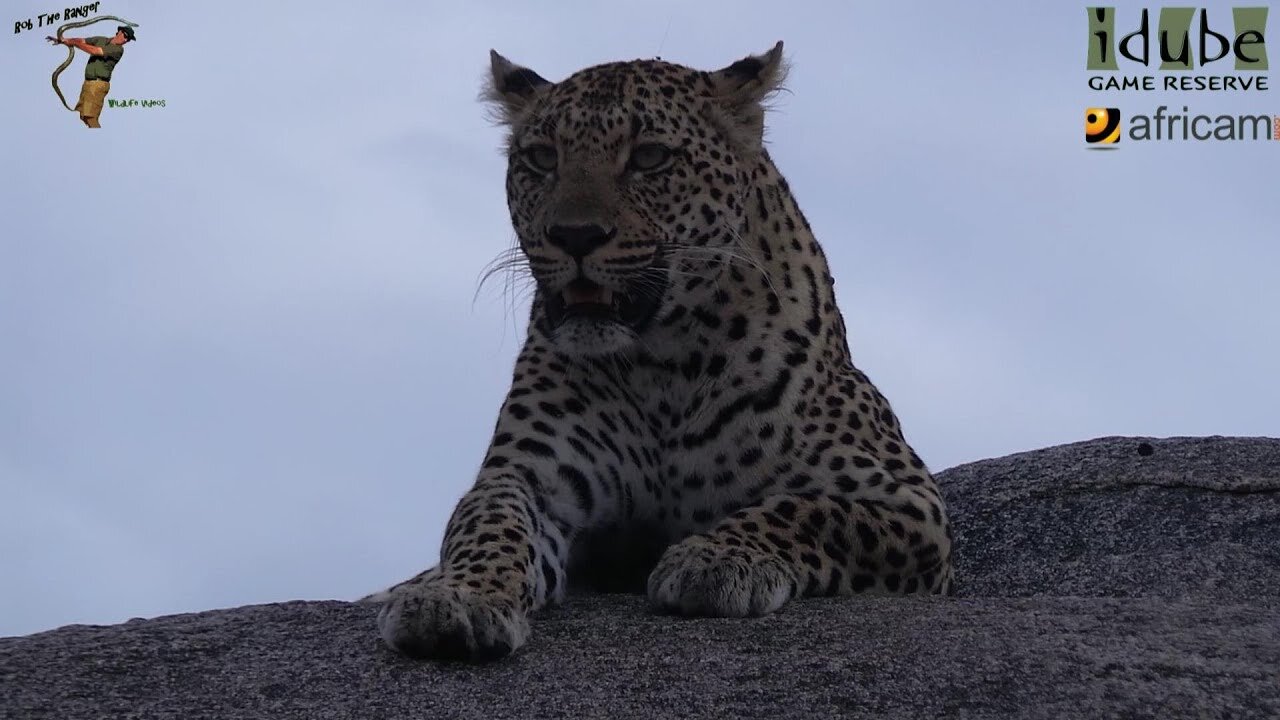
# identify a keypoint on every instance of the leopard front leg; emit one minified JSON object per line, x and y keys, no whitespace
{"x":858,"y":533}
{"x":502,"y":558}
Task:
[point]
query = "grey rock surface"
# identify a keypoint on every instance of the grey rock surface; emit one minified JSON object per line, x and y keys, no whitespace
{"x":1099,"y":580}
{"x":1120,"y":517}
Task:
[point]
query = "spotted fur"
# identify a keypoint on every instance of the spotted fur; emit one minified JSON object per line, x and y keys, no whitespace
{"x":701,"y":434}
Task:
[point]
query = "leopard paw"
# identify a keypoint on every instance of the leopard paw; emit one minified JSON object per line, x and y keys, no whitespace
{"x":701,"y":577}
{"x":431,"y":620}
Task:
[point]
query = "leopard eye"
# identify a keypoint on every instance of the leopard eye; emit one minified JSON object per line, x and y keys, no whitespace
{"x":649,"y":157}
{"x":542,"y":158}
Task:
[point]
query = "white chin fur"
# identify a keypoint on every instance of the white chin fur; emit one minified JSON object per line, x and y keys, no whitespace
{"x":591,"y":338}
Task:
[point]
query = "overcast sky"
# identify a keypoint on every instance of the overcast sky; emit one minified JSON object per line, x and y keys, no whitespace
{"x":240,"y":359}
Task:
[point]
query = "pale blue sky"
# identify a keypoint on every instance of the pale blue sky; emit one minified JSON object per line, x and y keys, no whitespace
{"x":239,"y":356}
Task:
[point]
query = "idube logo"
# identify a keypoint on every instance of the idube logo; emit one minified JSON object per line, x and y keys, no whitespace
{"x":1247,"y":43}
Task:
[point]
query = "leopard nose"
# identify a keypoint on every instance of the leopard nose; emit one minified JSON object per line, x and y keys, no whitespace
{"x":579,"y":240}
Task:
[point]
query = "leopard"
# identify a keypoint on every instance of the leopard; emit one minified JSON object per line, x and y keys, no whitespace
{"x":684,"y":420}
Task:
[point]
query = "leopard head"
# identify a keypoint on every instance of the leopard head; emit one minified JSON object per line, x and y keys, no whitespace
{"x":628,"y":185}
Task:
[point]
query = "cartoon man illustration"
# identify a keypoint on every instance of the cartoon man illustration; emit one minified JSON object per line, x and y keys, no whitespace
{"x":104,"y":53}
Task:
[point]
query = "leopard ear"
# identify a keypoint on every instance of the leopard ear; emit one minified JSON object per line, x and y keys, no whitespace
{"x":742,"y":88}
{"x":751,"y":79}
{"x":510,"y":86}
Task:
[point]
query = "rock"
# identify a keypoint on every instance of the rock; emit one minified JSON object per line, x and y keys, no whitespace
{"x":1120,"y":517}
{"x":1099,"y":580}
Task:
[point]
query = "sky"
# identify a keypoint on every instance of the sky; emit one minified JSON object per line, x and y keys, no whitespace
{"x":242,"y":354}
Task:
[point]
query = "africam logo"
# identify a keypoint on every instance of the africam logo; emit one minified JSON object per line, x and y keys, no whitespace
{"x":1103,"y":127}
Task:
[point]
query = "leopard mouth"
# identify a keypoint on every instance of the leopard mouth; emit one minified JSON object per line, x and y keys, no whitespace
{"x":588,"y":301}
